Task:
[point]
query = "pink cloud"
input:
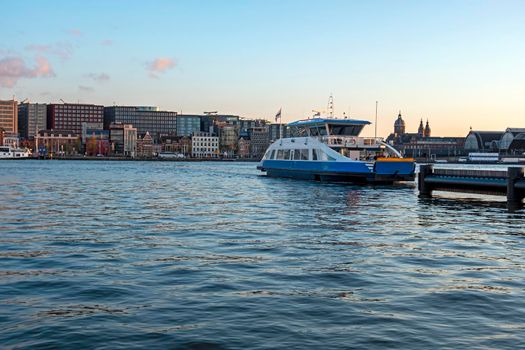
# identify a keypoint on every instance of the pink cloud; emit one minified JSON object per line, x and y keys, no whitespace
{"x":63,"y":50}
{"x":75,"y":32}
{"x":106,"y":42}
{"x":159,"y":66}
{"x":102,"y":77}
{"x":14,"y":68}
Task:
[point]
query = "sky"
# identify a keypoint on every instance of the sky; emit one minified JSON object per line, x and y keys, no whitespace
{"x":459,"y":64}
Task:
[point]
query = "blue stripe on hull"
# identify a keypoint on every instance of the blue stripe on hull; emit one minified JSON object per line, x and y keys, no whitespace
{"x":317,"y":166}
{"x":302,"y":175}
{"x":355,"y":172}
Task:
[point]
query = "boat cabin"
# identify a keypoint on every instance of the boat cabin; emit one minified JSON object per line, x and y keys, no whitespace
{"x":329,"y":127}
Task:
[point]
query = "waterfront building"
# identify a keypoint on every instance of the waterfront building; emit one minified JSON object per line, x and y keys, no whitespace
{"x":244,"y":148}
{"x":211,"y":122}
{"x":32,"y":117}
{"x":10,"y":139}
{"x":511,"y":141}
{"x":123,"y":139}
{"x":246,"y":124}
{"x":52,"y":143}
{"x":71,"y":116}
{"x":145,"y":146}
{"x":145,"y":118}
{"x":204,"y":145}
{"x":259,"y":141}
{"x":274,"y":131}
{"x":9,"y":116}
{"x":89,"y":129}
{"x":187,"y":124}
{"x":227,"y":119}
{"x":228,"y":138}
{"x":399,"y":126}
{"x":208,"y":124}
{"x":422,"y":144}
{"x":483,"y":141}
{"x":2,"y":132}
{"x":97,"y":143}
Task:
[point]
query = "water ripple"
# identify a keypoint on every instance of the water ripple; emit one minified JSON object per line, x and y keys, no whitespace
{"x":215,"y":256}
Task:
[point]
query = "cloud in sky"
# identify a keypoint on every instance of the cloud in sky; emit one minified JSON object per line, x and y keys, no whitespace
{"x":106,"y":42}
{"x":64,"y":50}
{"x":75,"y":32}
{"x":84,"y":88}
{"x":100,"y":78}
{"x":14,"y":68}
{"x":160,"y":66}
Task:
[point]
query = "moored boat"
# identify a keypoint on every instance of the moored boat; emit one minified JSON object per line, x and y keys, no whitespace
{"x":8,"y":152}
{"x":331,"y":150}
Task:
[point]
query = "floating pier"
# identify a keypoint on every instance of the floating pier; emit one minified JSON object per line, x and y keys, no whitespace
{"x":510,"y":183}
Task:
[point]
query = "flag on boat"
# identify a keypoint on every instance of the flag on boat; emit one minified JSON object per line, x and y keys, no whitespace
{"x":278,"y":115}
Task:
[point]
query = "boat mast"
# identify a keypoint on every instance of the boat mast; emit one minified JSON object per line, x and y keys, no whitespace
{"x":331,"y":106}
{"x":375,"y":124}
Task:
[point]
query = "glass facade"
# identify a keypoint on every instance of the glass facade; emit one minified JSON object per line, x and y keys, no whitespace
{"x":32,"y":117}
{"x":157,"y":123}
{"x":188,"y":124}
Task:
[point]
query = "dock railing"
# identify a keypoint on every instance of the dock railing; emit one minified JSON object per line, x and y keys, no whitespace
{"x":510,"y":183}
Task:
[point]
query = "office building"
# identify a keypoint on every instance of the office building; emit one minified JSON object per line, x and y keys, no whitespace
{"x":123,"y":139}
{"x":187,"y":125}
{"x":9,"y":116}
{"x":203,"y":145}
{"x":259,"y":141}
{"x":145,"y":119}
{"x":53,"y":143}
{"x":32,"y":117}
{"x":70,"y":116}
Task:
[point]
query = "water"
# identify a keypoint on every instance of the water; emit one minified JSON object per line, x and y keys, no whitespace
{"x":215,"y":256}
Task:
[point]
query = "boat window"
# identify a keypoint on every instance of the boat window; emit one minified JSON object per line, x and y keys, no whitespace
{"x":4,"y":149}
{"x":272,"y":155}
{"x":348,"y":130}
{"x":297,"y":154}
{"x":318,"y":154}
{"x":280,"y":154}
{"x":286,"y":154}
{"x":304,"y":154}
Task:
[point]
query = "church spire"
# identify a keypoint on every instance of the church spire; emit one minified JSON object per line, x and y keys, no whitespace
{"x":421,"y":129}
{"x":427,"y":130}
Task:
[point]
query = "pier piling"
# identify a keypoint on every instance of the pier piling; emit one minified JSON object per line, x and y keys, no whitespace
{"x":425,"y":190}
{"x":514,"y":194}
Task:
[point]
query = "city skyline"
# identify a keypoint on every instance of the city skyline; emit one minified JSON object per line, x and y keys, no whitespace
{"x":455,"y":63}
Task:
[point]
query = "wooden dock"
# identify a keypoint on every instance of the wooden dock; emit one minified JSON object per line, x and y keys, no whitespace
{"x":509,"y":183}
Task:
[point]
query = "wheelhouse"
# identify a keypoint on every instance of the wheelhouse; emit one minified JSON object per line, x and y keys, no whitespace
{"x":329,"y":127}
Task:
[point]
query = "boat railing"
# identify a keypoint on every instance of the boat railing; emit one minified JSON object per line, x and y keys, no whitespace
{"x":351,"y":141}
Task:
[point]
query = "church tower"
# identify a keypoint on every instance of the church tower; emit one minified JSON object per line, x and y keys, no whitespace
{"x":427,"y":130}
{"x":421,"y":130}
{"x":399,"y":126}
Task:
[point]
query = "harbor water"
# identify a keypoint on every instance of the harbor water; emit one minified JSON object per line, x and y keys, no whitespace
{"x":213,"y":255}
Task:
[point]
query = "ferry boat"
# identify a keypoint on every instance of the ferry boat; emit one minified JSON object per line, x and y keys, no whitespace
{"x":331,"y":150}
{"x":10,"y":152}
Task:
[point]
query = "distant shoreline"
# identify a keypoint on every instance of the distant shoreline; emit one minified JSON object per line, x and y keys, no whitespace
{"x":122,"y":159}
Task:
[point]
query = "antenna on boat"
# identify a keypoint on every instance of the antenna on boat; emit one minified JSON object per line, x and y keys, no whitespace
{"x":375,"y":124}
{"x":331,"y":106}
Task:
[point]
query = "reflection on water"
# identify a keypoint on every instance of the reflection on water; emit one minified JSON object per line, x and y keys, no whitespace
{"x":215,"y":256}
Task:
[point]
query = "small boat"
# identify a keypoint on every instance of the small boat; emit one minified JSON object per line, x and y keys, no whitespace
{"x":331,"y":150}
{"x":8,"y":152}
